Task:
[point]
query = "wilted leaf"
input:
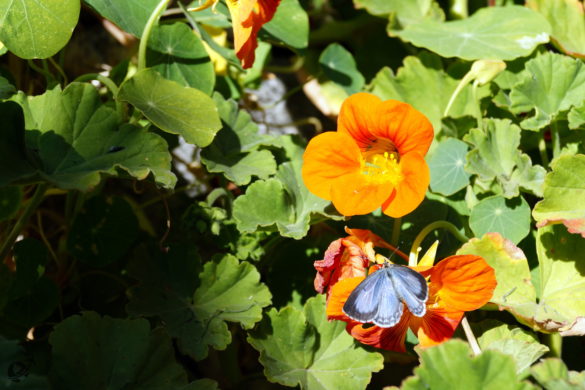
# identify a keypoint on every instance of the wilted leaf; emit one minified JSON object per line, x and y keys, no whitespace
{"x":551,"y":83}
{"x":498,"y":33}
{"x":304,"y":348}
{"x":37,"y":29}
{"x":446,"y":164}
{"x":509,"y":217}
{"x":129,"y":15}
{"x":564,"y":195}
{"x":172,"y":107}
{"x":234,"y":151}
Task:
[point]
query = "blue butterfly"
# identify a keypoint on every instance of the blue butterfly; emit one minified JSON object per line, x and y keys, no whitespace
{"x":379,"y":297}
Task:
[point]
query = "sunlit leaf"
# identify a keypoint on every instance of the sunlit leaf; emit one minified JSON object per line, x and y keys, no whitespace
{"x":172,"y":107}
{"x":92,"y":352}
{"x":451,"y":366}
{"x":304,"y":348}
{"x":37,"y":29}
{"x":551,"y":83}
{"x":498,"y":33}
{"x":403,"y":12}
{"x":509,"y":217}
{"x":339,"y":66}
{"x":495,"y":156}
{"x":289,"y":26}
{"x":446,"y":164}
{"x":177,"y":53}
{"x":564,"y":195}
{"x":422,"y":83}
{"x":567,"y":21}
{"x":522,"y":345}
{"x":129,"y":15}
{"x":553,"y":374}
{"x":234,"y":151}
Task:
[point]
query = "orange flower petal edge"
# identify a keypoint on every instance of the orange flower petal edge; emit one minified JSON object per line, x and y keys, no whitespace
{"x":376,"y":159}
{"x":248,"y":17}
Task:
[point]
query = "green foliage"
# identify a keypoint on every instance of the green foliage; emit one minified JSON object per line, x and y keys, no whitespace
{"x":446,"y":164}
{"x":502,"y":33}
{"x":10,"y":198}
{"x":339,"y":66}
{"x":303,"y":348}
{"x":509,"y":217}
{"x":130,"y":15}
{"x":156,"y":98}
{"x":289,"y":26}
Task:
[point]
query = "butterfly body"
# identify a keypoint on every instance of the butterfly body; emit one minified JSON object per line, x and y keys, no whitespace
{"x":380,"y":297}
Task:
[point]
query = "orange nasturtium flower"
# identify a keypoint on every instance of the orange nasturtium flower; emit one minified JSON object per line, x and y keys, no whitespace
{"x":375,"y":158}
{"x":248,"y":17}
{"x":456,"y":284}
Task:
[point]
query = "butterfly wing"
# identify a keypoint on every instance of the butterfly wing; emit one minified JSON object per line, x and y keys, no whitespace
{"x":362,"y":304}
{"x":411,"y":287}
{"x":375,"y":300}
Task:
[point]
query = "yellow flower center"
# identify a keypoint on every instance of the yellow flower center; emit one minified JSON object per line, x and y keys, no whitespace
{"x":382,"y":168}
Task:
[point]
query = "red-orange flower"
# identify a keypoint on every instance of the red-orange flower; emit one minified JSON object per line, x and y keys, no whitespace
{"x":375,"y":158}
{"x":456,"y":284}
{"x":248,"y":17}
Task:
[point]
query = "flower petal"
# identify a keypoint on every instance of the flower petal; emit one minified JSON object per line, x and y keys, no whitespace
{"x":358,"y":116}
{"x":391,"y":339}
{"x":328,"y":157}
{"x":407,"y":128}
{"x":355,"y":194}
{"x":437,"y":326}
{"x":338,"y":295}
{"x":343,"y":259}
{"x":463,"y":282}
{"x":410,"y":192}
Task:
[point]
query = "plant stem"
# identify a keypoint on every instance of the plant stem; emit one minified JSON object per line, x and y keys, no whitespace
{"x":543,"y":152}
{"x":425,"y":232}
{"x":160,"y":8}
{"x":32,"y":205}
{"x":554,"y":341}
{"x":396,"y":231}
{"x":470,"y":336}
{"x":464,"y":81}
{"x":556,"y":140}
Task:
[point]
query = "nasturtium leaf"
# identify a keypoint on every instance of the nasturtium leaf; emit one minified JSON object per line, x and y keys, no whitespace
{"x":552,"y":374}
{"x":521,"y":344}
{"x":564,"y":195}
{"x":447,"y":163}
{"x":567,"y":22}
{"x":10,"y":201}
{"x":576,"y":116}
{"x":6,"y":89}
{"x":93,"y":352}
{"x":450,"y":366}
{"x":403,"y":12}
{"x":37,"y":29}
{"x":422,"y":83}
{"x":339,"y":66}
{"x":551,"y":83}
{"x":289,"y":26}
{"x":15,"y":368}
{"x":514,"y":288}
{"x":303,"y":348}
{"x":498,"y":33}
{"x":177,"y":53}
{"x":3,"y":49}
{"x":509,"y":217}
{"x":103,"y":231}
{"x":234,"y":151}
{"x":72,"y":138}
{"x":495,"y":157}
{"x":129,"y":15}
{"x":284,"y":201}
{"x":562,"y":290}
{"x":172,"y":107}
{"x":227,"y":290}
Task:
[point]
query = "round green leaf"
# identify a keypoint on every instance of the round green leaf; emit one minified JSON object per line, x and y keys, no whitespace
{"x":129,"y":15}
{"x":447,"y":167}
{"x":289,"y":26}
{"x":37,"y":29}
{"x":10,"y":200}
{"x":502,"y":33}
{"x":172,"y":107}
{"x":340,"y":67}
{"x":564,"y":195}
{"x":177,"y":53}
{"x":509,"y":217}
{"x":304,"y":348}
